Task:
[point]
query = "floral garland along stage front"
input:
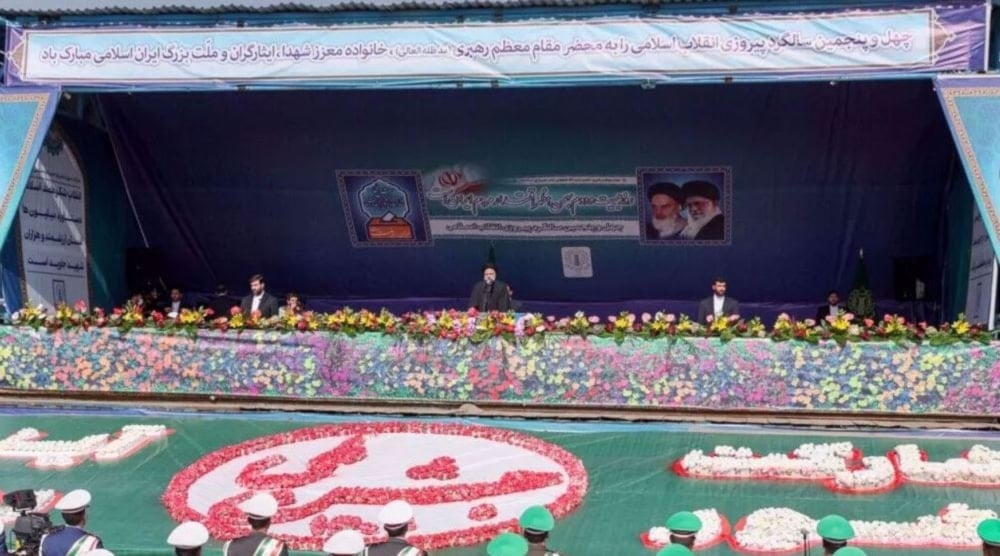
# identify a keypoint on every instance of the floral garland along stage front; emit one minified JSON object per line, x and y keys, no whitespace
{"x":478,"y":327}
{"x":467,"y":483}
{"x":843,"y":468}
{"x":559,"y":369}
{"x":29,"y":444}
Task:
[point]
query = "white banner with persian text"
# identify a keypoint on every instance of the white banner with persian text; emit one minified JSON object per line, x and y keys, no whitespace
{"x":52,"y":230}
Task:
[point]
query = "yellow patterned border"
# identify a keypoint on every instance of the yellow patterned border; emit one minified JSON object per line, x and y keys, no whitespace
{"x":43,"y":100}
{"x":965,"y":146}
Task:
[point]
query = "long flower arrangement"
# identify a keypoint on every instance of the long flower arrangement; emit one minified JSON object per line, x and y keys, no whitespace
{"x":476,"y":326}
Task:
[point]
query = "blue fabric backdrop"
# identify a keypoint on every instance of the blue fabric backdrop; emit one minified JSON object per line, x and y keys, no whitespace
{"x":228,"y":184}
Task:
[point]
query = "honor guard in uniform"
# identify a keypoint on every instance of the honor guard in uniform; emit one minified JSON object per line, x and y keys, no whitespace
{"x":345,"y":543}
{"x":989,"y":533}
{"x":188,"y":538}
{"x":72,"y":539}
{"x":536,"y":524}
{"x":259,"y":509}
{"x":507,"y":544}
{"x":684,"y":527}
{"x":850,"y":551}
{"x":835,"y":532}
{"x":675,"y":550}
{"x":395,"y":519}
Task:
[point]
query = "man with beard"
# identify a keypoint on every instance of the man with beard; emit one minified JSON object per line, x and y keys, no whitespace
{"x":665,"y":202}
{"x":705,"y":220}
{"x":718,"y":305}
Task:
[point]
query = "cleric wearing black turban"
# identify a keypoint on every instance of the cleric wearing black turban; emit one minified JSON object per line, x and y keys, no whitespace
{"x":705,"y":220}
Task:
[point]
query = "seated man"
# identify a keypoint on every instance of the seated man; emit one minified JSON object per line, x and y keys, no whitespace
{"x":718,"y":305}
{"x":220,"y":303}
{"x":293,"y":305}
{"x":832,"y":307}
{"x":173,"y":309}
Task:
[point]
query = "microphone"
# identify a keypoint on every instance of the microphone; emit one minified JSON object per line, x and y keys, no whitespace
{"x":805,"y":541}
{"x":487,"y":292}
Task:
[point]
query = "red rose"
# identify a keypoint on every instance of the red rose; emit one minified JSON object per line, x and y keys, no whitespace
{"x":302,"y":325}
{"x":235,"y":311}
{"x":209,"y":312}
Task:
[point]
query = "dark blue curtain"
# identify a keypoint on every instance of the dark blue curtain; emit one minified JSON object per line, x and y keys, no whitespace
{"x":229,"y":184}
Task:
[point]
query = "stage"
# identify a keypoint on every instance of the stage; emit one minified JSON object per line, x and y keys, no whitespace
{"x":557,"y":370}
{"x":627,"y":485}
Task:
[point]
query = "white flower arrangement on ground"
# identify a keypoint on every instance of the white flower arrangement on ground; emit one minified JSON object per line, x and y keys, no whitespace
{"x":131,"y":439}
{"x":711,"y":530}
{"x":877,"y":472}
{"x":780,"y":529}
{"x":28,"y":444}
{"x":809,"y":462}
{"x":832,"y":463}
{"x":980,"y":467}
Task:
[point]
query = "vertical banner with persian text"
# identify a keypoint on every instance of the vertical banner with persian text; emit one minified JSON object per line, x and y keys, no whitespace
{"x":52,"y":227}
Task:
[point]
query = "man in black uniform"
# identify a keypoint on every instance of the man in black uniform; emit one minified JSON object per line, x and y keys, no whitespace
{"x":835,"y":532}
{"x":188,"y":538}
{"x":684,"y":527}
{"x":259,"y":509}
{"x":536,"y":524}
{"x":395,"y":518}
{"x":989,"y":533}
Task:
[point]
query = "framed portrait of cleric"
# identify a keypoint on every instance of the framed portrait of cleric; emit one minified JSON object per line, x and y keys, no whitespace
{"x":685,"y":205}
{"x":384,"y":208}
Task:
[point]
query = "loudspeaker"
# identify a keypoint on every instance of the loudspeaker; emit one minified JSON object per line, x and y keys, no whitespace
{"x":906,"y":272}
{"x":142,"y":269}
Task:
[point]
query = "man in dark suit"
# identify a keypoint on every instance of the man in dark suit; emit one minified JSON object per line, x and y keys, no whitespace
{"x":832,"y":307}
{"x":173,"y":308}
{"x":490,"y":294}
{"x":705,"y":219}
{"x":259,"y":300}
{"x":717,"y":305}
{"x":220,"y":303}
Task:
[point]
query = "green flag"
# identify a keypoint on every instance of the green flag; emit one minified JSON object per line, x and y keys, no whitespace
{"x":860,"y":301}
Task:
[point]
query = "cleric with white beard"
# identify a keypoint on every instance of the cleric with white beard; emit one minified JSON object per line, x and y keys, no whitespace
{"x":490,"y":294}
{"x":705,"y":219}
{"x":665,"y":203}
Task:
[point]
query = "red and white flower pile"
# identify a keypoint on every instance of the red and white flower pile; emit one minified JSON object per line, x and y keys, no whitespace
{"x":466,"y":483}
{"x":30,"y":444}
{"x":979,"y":467}
{"x":779,"y":530}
